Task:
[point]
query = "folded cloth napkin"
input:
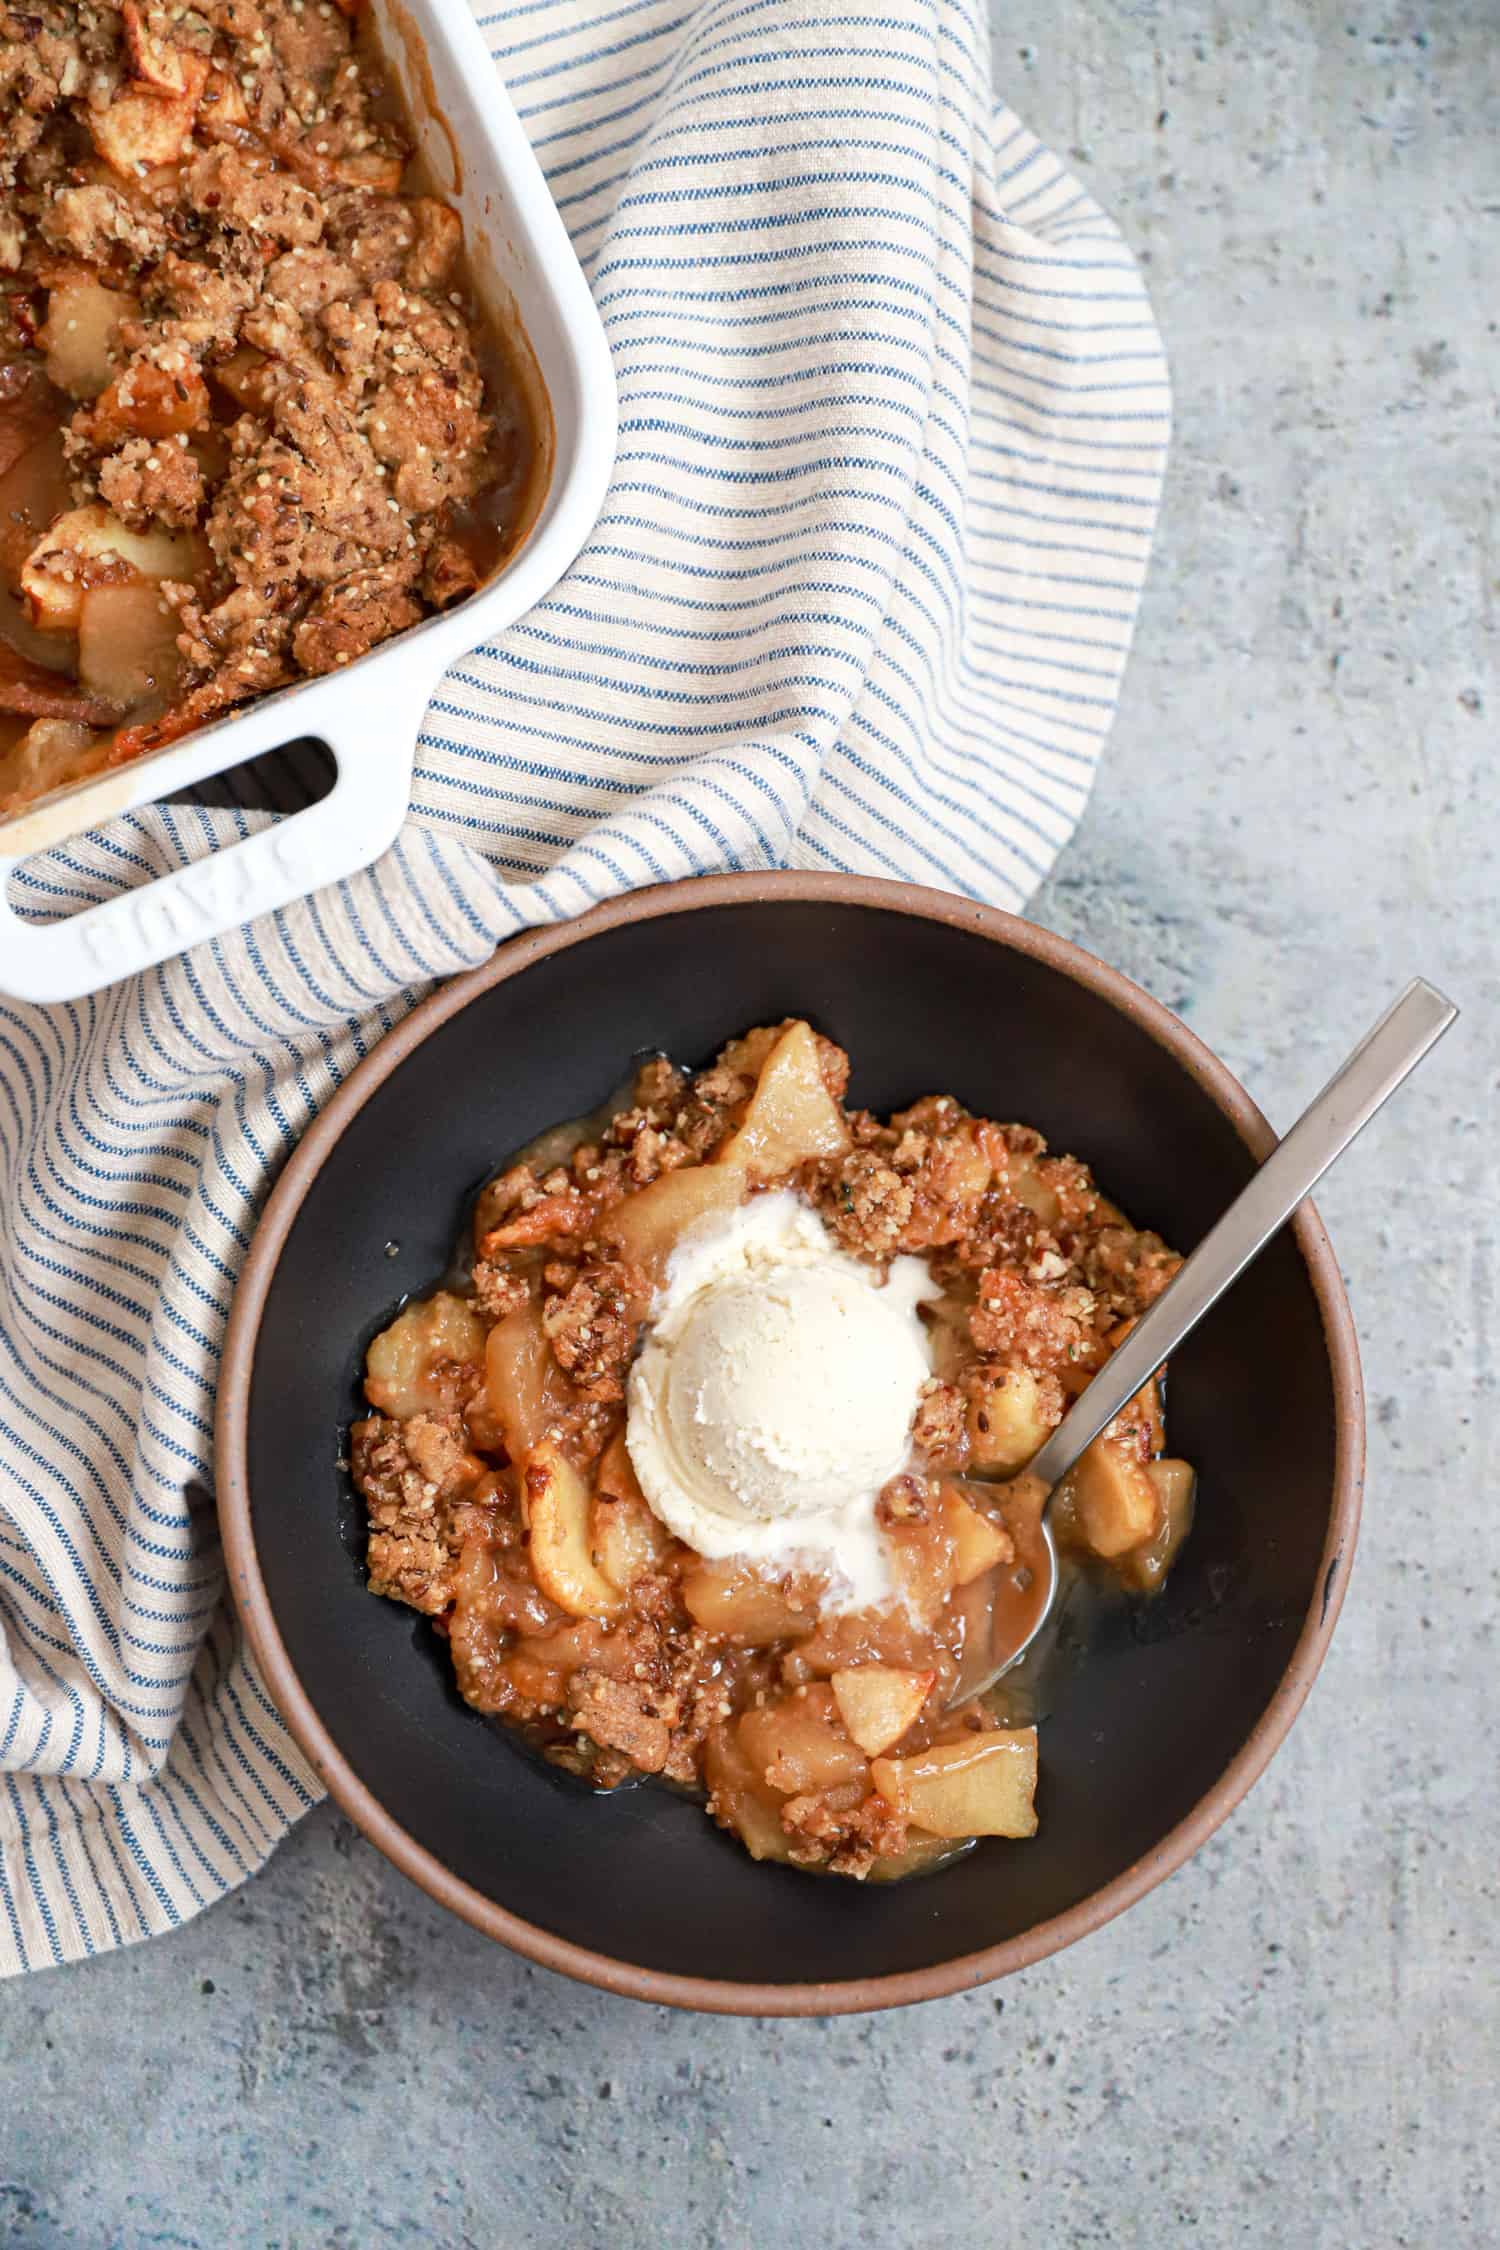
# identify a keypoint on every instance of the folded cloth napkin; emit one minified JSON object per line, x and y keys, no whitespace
{"x":893,"y":424}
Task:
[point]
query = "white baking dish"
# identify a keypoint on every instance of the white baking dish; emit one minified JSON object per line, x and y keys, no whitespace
{"x":524,"y":270}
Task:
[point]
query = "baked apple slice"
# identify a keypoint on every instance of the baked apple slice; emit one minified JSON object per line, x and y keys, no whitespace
{"x":982,"y":1786}
{"x":91,"y":546}
{"x":978,"y":1544}
{"x":127,"y":645}
{"x":555,"y":1502}
{"x":400,"y":1362}
{"x":878,"y":1702}
{"x":526,"y":1388}
{"x":646,"y":1228}
{"x":79,"y":334}
{"x":792,"y":1118}
{"x":628,"y":1540}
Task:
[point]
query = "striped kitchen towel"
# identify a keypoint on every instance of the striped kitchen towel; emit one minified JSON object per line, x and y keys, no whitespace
{"x":893,"y":424}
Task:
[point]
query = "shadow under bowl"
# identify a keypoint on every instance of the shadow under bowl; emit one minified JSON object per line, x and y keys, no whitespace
{"x":1146,"y":1744}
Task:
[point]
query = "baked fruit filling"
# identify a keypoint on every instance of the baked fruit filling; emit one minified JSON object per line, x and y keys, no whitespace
{"x":674,"y":1471}
{"x":249,"y":424}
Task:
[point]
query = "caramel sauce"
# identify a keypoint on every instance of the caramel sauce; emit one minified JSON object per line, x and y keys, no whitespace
{"x":1022,"y":1589}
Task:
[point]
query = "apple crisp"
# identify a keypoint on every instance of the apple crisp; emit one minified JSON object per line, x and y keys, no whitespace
{"x":249,"y":424}
{"x":498,"y":1462}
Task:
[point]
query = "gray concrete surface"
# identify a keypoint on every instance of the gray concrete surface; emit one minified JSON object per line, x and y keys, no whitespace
{"x":1297,"y":2040}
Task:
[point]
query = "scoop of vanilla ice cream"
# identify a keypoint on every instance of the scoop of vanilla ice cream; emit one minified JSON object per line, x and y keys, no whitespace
{"x":792,"y":1389}
{"x":775,"y":1391}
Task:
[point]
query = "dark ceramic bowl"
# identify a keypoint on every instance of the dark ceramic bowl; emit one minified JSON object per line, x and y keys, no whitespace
{"x":1147,"y":1744}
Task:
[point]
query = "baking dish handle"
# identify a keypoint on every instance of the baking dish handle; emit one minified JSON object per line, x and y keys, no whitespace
{"x":369,"y":722}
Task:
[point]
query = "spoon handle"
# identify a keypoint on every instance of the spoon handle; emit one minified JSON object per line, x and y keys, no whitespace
{"x":1387,"y":1055}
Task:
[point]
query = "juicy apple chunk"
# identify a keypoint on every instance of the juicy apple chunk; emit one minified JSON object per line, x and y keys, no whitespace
{"x":978,"y":1543}
{"x":555,"y":1502}
{"x":739,"y":1797}
{"x":1008,"y":1425}
{"x":400,"y":1362}
{"x":79,"y":334}
{"x":150,"y":402}
{"x":127,"y":645}
{"x":144,"y":128}
{"x":91,"y":546}
{"x":738,"y":1605}
{"x":541,"y":1664}
{"x":1145,"y":1568}
{"x":801,"y":1745}
{"x":1027,"y":1186}
{"x":878,"y":1702}
{"x":526,"y":1388}
{"x":918,"y":1855}
{"x":646,"y":1228}
{"x":792,"y":1117}
{"x":984,"y":1785}
{"x":1114,"y":1500}
{"x":628,"y":1540}
{"x":923,"y":1561}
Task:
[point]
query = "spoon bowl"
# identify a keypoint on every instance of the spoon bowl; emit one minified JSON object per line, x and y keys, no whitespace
{"x":1011,"y":1608}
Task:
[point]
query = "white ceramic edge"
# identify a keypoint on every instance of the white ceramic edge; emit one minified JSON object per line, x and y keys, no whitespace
{"x":370,"y":715}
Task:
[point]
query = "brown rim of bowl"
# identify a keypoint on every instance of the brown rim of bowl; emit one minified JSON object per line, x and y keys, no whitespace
{"x":853,"y":1994}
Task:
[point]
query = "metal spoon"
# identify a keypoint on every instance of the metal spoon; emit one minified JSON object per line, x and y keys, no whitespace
{"x":1025,"y":1592}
